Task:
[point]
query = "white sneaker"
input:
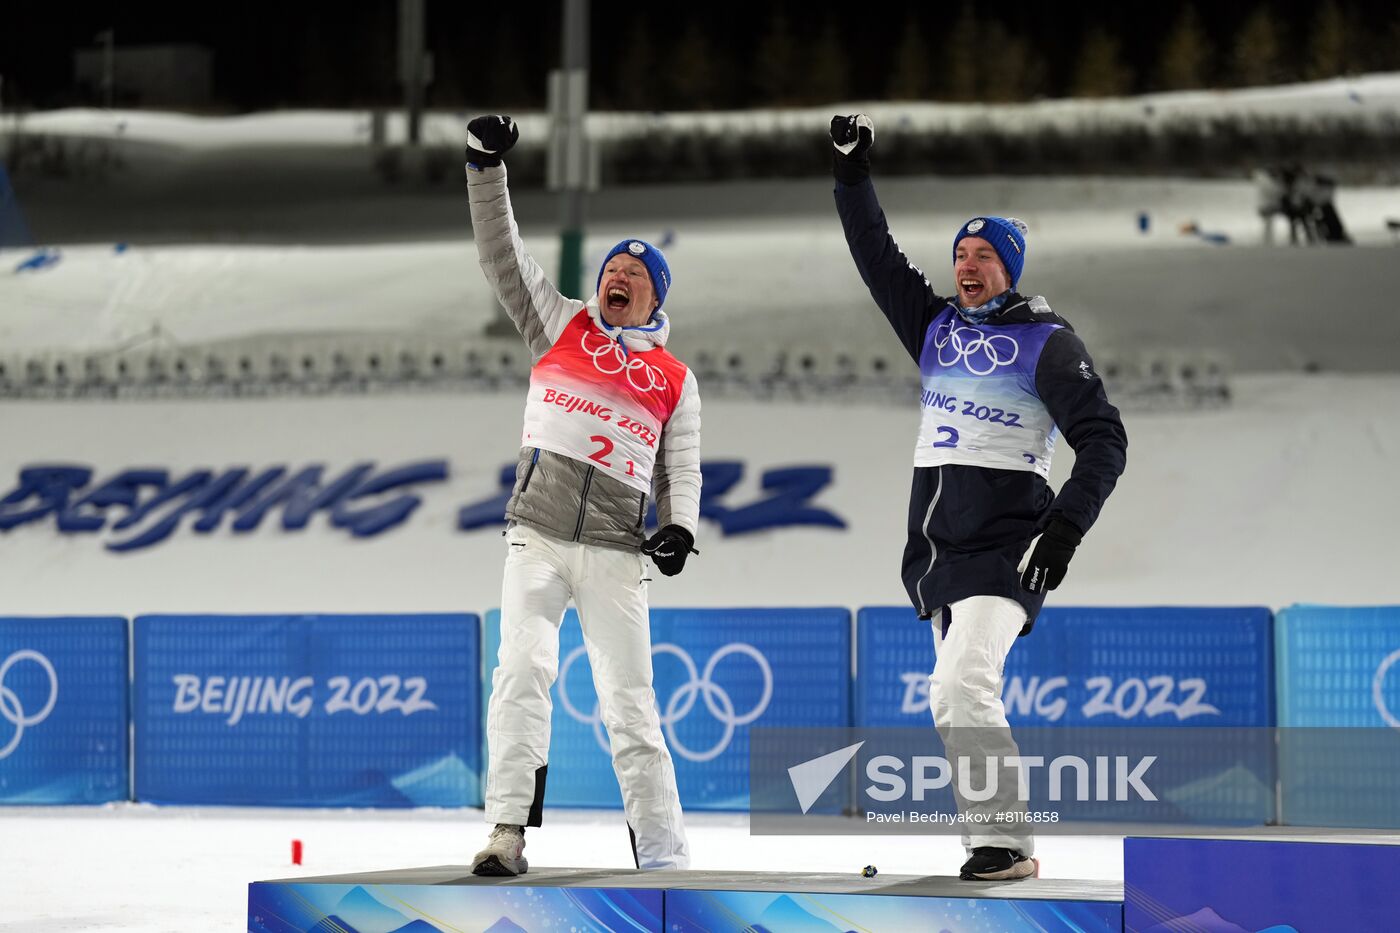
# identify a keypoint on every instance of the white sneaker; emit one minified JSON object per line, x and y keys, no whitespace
{"x":504,"y":854}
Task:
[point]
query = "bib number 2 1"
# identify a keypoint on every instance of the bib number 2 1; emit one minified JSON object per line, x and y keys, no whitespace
{"x":605,"y":447}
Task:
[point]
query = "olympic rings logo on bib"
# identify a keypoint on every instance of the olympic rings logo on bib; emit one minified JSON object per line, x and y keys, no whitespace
{"x":981,"y":354}
{"x":610,"y":360}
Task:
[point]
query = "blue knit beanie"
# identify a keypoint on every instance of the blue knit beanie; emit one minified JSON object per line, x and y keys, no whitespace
{"x":1007,"y":236}
{"x":651,"y":257}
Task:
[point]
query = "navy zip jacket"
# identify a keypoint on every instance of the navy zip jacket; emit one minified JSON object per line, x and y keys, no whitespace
{"x":995,"y":396}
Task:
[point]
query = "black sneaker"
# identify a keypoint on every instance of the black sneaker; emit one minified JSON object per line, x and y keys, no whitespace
{"x":990,"y":863}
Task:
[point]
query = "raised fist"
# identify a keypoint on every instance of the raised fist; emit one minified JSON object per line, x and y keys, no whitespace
{"x":489,"y":138}
{"x":852,"y":135}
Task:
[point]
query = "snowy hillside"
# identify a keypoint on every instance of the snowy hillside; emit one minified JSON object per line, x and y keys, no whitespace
{"x":1374,"y":97}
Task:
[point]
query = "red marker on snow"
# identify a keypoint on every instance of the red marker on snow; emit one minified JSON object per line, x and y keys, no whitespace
{"x":296,"y":851}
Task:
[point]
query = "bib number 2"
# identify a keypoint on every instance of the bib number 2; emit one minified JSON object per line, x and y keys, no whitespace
{"x":605,"y":447}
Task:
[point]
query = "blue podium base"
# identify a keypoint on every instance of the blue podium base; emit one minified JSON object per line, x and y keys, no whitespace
{"x":1277,"y":883}
{"x":450,"y":898}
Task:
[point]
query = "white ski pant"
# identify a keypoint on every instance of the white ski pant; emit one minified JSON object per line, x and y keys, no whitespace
{"x":541,"y":575}
{"x":972,"y":638}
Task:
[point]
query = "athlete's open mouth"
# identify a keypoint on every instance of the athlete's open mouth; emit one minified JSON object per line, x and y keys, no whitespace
{"x":617,"y":298}
{"x":971,"y":288}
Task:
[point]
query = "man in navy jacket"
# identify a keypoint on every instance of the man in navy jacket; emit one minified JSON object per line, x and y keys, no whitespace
{"x":1002,"y":376}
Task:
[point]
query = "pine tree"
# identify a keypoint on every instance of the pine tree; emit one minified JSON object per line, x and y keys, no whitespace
{"x":635,"y":80}
{"x":777,"y":63}
{"x":1256,"y":59}
{"x":1389,"y":57}
{"x":828,"y":74}
{"x":694,"y":72}
{"x":1379,"y":43}
{"x":1328,"y":44}
{"x":911,"y":78}
{"x":958,"y":79}
{"x":1185,"y":54}
{"x":1018,"y":69}
{"x":1101,"y":72}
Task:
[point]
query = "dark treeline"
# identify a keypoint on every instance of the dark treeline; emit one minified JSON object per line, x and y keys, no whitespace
{"x":721,"y":55}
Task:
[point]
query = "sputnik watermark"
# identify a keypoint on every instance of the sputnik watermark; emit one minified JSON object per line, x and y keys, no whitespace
{"x":1107,"y":777}
{"x":1102,"y":778}
{"x":1065,"y":780}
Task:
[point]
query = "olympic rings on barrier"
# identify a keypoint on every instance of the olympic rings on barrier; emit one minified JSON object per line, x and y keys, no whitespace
{"x":10,"y":707}
{"x":1378,"y":689}
{"x":699,"y":685}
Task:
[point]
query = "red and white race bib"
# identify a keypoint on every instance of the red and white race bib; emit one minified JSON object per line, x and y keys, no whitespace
{"x":594,"y":401}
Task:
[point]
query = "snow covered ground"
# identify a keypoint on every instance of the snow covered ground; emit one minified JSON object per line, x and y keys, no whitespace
{"x":779,"y":278}
{"x":139,"y":869}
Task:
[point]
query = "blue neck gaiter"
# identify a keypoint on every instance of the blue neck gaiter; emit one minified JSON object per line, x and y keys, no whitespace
{"x":982,"y":312}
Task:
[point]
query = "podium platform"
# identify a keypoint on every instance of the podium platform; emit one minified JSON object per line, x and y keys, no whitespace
{"x":449,"y":899}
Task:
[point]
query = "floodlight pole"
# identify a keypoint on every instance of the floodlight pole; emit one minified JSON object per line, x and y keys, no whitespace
{"x":108,"y":39}
{"x":571,"y":167}
{"x":571,"y":164}
{"x":415,"y":65}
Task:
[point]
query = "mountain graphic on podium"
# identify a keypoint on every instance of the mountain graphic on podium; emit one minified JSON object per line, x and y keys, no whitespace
{"x":418,"y":926}
{"x":505,"y":925}
{"x":361,"y":912}
{"x":1206,"y":920}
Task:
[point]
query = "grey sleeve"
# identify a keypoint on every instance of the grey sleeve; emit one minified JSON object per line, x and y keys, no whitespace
{"x":539,"y":311}
{"x":676,"y":479}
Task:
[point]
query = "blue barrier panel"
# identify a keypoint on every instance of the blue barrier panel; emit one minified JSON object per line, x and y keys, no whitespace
{"x":63,"y":710}
{"x":1269,"y":885}
{"x":1339,"y":666}
{"x":717,"y":671}
{"x":1339,"y":692}
{"x":1109,"y":667}
{"x":352,"y":710}
{"x":1101,"y":667}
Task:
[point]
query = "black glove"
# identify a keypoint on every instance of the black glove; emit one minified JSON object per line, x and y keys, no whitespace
{"x":852,"y":136}
{"x":489,"y":138}
{"x":1049,"y":559}
{"x":669,"y":548}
